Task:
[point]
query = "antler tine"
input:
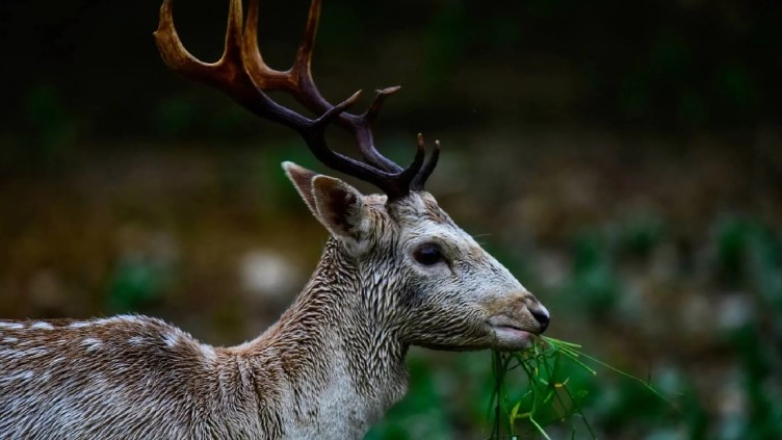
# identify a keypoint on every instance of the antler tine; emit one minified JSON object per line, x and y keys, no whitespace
{"x":380,"y":98}
{"x":265,"y":77}
{"x":243,"y":75}
{"x":302,"y":85}
{"x":228,"y":74}
{"x":304,"y":88}
{"x":420,"y":179}
{"x":174,"y":54}
{"x":395,"y":185}
{"x":363,"y":132}
{"x":309,"y":95}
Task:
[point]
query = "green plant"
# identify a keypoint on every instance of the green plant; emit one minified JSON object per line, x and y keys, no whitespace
{"x":555,"y":390}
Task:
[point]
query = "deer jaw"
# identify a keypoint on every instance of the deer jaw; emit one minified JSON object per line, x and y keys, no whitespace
{"x":423,"y":279}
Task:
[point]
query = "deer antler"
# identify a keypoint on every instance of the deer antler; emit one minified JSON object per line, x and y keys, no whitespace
{"x":242,"y":74}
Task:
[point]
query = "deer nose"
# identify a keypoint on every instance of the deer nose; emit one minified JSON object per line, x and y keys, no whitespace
{"x":541,"y":315}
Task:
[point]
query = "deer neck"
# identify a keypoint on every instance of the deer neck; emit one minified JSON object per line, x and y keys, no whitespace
{"x":342,"y":367}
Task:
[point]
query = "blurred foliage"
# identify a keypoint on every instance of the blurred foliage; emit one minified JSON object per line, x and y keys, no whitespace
{"x":594,"y":279}
{"x":669,"y":65}
{"x":136,"y":284}
{"x":96,"y":135}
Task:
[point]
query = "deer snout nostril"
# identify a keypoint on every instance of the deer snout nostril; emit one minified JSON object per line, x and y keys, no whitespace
{"x":541,"y":315}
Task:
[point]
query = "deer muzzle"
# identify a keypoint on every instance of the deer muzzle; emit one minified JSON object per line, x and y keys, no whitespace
{"x":517,"y":320}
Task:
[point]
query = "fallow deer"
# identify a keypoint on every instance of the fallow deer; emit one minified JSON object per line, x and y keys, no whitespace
{"x":396,"y":272}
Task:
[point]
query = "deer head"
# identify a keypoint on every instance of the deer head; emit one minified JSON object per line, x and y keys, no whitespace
{"x":422,"y":278}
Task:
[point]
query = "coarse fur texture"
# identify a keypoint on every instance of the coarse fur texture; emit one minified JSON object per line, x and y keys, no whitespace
{"x":329,"y":368}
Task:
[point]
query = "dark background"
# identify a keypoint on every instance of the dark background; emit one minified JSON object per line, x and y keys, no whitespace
{"x":624,"y":159}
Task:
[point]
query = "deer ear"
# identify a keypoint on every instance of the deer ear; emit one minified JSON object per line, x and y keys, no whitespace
{"x":338,"y":206}
{"x":302,"y":181}
{"x":334,"y":203}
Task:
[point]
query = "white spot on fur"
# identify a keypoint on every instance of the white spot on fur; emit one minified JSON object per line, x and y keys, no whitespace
{"x":19,"y":354}
{"x":107,"y":321}
{"x":11,"y":325}
{"x":100,"y":378}
{"x":42,"y":326}
{"x":171,"y":339}
{"x":132,"y":319}
{"x":136,"y":340}
{"x":209,"y":352}
{"x":10,"y":340}
{"x":33,"y":352}
{"x":91,"y":343}
{"x":22,"y":375}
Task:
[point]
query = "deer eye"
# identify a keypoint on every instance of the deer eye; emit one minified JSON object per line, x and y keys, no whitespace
{"x":428,"y":254}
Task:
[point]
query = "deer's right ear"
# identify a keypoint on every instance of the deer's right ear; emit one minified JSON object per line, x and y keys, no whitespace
{"x":334,"y":203}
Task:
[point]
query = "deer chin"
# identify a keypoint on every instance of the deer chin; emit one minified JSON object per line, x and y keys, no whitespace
{"x":509,"y":336}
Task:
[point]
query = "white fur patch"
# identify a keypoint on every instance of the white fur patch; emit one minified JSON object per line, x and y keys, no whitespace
{"x":42,"y":326}
{"x":132,"y":319}
{"x":10,"y":340}
{"x":136,"y":340}
{"x":171,"y":339}
{"x":22,"y":375}
{"x":11,"y":325}
{"x":209,"y":352}
{"x":92,"y":343}
{"x":107,"y":321}
{"x":19,"y":354}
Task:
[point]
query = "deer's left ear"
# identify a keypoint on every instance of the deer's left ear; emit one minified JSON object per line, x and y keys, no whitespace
{"x":338,"y":206}
{"x":334,"y":203}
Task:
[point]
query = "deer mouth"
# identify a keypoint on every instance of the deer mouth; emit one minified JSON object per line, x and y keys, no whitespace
{"x":509,"y":335}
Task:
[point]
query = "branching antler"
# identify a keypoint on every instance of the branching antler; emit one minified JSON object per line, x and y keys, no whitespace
{"x":242,"y":74}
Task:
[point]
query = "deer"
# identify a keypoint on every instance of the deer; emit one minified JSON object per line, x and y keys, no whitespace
{"x":395,"y":272}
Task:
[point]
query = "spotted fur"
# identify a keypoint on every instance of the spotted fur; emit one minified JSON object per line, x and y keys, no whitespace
{"x":329,"y":368}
